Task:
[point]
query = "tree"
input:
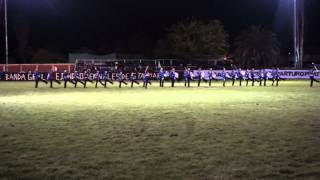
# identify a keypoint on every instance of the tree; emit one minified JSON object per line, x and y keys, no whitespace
{"x":194,"y":38}
{"x":162,"y":49}
{"x":22,"y":31}
{"x":46,"y":56}
{"x":140,"y":45}
{"x":257,"y":47}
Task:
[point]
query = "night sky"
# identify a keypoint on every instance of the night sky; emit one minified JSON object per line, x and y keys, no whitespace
{"x":68,"y":25}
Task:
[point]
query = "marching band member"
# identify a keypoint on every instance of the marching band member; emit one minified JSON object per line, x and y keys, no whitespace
{"x":120,"y":78}
{"x":161,"y":77}
{"x":313,"y":72}
{"x":199,"y":76}
{"x":133,"y":79}
{"x":211,"y":75}
{"x":37,"y":78}
{"x":261,"y":77}
{"x":98,"y":79}
{"x":275,"y":76}
{"x":247,"y":76}
{"x":252,"y":76}
{"x":146,"y":79}
{"x":233,"y":76}
{"x":106,"y":79}
{"x":86,"y":75}
{"x":76,"y":79}
{"x":172,"y":76}
{"x":52,"y":78}
{"x":224,"y":76}
{"x":240,"y":76}
{"x":265,"y":77}
{"x":66,"y":78}
{"x":186,"y":77}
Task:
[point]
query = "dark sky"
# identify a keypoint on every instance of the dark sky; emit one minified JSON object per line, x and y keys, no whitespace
{"x":71,"y":24}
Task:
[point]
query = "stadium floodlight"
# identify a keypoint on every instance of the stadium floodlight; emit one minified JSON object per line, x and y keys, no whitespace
{"x":6,"y":33}
{"x":298,"y":29}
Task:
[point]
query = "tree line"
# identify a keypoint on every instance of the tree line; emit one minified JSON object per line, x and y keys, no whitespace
{"x":192,"y":38}
{"x":188,"y":39}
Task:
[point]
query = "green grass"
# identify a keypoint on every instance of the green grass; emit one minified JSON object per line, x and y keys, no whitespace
{"x":197,"y":133}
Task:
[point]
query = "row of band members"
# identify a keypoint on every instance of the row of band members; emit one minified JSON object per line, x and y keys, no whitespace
{"x":188,"y":76}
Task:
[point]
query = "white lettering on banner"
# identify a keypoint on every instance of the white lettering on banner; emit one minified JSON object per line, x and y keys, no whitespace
{"x":15,"y":77}
{"x":58,"y":77}
{"x":30,"y":77}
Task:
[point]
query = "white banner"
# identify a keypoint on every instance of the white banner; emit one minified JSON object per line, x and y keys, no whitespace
{"x":286,"y":74}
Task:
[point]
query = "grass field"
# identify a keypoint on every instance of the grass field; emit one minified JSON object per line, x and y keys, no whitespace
{"x":197,"y":133}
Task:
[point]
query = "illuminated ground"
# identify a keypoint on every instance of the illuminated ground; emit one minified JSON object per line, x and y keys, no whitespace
{"x":205,"y":133}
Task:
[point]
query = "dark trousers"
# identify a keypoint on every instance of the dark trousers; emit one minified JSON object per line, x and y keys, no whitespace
{"x":161,"y":81}
{"x":233,"y":81}
{"x":99,"y":81}
{"x":275,"y":80}
{"x":224,"y":82}
{"x":75,"y":82}
{"x":247,"y":81}
{"x":145,"y":83}
{"x":253,"y":81}
{"x":265,"y":82}
{"x":37,"y":82}
{"x":210,"y":81}
{"x":187,"y":82}
{"x":85,"y":82}
{"x":122,"y":81}
{"x":172,"y":82}
{"x":107,"y":81}
{"x":240,"y":81}
{"x":134,"y":81}
{"x":199,"y":82}
{"x":260,"y":82}
{"x":312,"y":79}
{"x":51,"y":82}
{"x":65,"y":83}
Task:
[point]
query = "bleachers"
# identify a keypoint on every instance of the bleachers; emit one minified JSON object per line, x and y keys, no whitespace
{"x":114,"y":65}
{"x":141,"y":64}
{"x":25,"y":68}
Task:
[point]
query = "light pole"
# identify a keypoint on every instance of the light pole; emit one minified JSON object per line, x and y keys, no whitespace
{"x":298,"y":30}
{"x":6,"y":33}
